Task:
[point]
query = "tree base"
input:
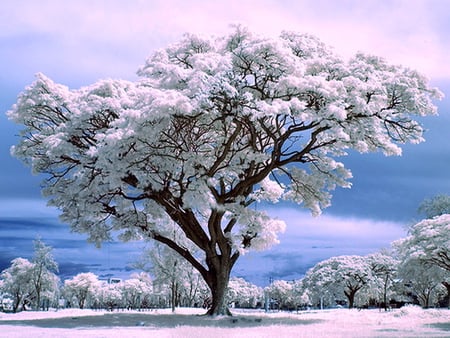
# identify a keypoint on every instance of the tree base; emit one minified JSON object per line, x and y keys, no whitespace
{"x":219,"y":312}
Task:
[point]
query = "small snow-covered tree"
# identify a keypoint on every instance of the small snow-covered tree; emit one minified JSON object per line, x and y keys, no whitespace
{"x":281,"y":292}
{"x":109,"y":296}
{"x":212,"y":126}
{"x":17,"y":282}
{"x":43,"y":274}
{"x":384,"y":268}
{"x":243,"y":294}
{"x":435,"y":206}
{"x":338,"y":278}
{"x":174,"y":274}
{"x":428,"y":240}
{"x":136,"y":289}
{"x":82,"y":288}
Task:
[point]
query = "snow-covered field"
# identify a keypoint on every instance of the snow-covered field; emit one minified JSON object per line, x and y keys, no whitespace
{"x":405,"y":322}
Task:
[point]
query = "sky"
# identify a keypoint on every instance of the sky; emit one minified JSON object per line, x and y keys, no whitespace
{"x":79,"y":42}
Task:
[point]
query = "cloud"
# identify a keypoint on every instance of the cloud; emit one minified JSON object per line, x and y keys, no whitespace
{"x":113,"y":37}
{"x":308,"y":240}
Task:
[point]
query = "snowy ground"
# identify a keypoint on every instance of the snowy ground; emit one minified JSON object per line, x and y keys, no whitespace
{"x":405,"y":322}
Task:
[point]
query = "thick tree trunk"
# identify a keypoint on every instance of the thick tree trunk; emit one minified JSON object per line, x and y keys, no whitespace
{"x":447,"y":286}
{"x":218,"y":293}
{"x":217,"y":280}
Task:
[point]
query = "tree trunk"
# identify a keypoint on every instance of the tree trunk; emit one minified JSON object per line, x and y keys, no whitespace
{"x":447,"y":286}
{"x":351,"y":297}
{"x":173,"y":294}
{"x":218,"y":292}
{"x":385,"y":293}
{"x":217,"y":281}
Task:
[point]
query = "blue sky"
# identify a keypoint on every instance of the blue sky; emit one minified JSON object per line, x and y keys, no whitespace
{"x":79,"y":42}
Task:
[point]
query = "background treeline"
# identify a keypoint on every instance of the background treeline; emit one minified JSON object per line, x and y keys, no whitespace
{"x":415,"y":270}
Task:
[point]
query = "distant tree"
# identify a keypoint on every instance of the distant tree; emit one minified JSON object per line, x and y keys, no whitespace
{"x":109,"y":296}
{"x":339,"y":276}
{"x":423,"y":280}
{"x":384,"y":268}
{"x":82,"y":288}
{"x":136,"y":289}
{"x":435,"y":206}
{"x":173,"y":273}
{"x":429,"y":241}
{"x":211,"y":127}
{"x":280,"y":291}
{"x":17,"y":282}
{"x":243,"y":294}
{"x":43,"y":274}
{"x":301,"y":295}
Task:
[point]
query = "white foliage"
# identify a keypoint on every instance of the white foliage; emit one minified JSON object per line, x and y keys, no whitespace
{"x":428,"y":240}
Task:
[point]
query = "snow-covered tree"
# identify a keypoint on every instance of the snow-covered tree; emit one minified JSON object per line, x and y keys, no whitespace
{"x":82,"y":288}
{"x":173,"y":273}
{"x":435,"y":206}
{"x":384,"y":268}
{"x":428,"y":240}
{"x":17,"y":282}
{"x":423,"y":280}
{"x":243,"y":294}
{"x":338,"y":278}
{"x":212,"y":126}
{"x":43,"y":275}
{"x":136,"y":289}
{"x":109,"y":296}
{"x":281,"y":292}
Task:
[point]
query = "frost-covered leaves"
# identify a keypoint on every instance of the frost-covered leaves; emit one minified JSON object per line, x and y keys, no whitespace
{"x":82,"y":288}
{"x":428,"y":240}
{"x":243,"y":294}
{"x":28,"y":283}
{"x":338,"y":278}
{"x":212,"y":126}
{"x":435,"y":206}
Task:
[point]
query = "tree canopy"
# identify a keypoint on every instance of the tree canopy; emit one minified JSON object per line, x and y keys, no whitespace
{"x":435,"y":206}
{"x":428,"y":240}
{"x":211,"y":126}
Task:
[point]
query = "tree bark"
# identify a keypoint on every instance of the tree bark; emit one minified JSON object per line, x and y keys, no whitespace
{"x":218,"y":283}
{"x":447,"y":286}
{"x":385,"y":293}
{"x":351,"y":297}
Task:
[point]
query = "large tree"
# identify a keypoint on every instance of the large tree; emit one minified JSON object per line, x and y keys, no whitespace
{"x":211,"y":127}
